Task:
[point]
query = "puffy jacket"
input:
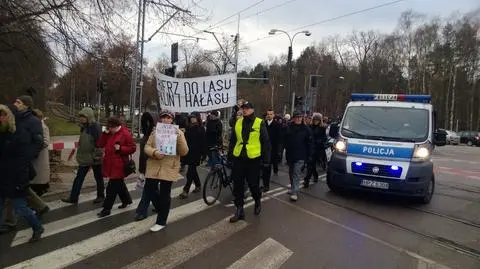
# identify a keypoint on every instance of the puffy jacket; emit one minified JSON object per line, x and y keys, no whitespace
{"x":114,"y":162}
{"x":26,"y":121}
{"x":15,"y":159}
{"x":169,"y":166}
{"x":195,"y":137}
{"x":214,"y":133}
{"x":88,"y":153}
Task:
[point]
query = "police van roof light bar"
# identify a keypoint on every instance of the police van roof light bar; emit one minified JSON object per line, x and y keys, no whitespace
{"x":391,"y":97}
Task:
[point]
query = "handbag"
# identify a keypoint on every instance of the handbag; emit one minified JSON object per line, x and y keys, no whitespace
{"x":130,"y":167}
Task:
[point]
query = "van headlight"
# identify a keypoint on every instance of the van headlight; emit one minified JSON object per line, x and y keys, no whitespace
{"x":422,"y":152}
{"x":341,"y":146}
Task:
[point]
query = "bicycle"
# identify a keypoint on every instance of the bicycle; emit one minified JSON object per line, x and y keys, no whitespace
{"x":218,"y":177}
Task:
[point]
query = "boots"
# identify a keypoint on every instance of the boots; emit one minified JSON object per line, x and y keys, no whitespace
{"x":258,"y":207}
{"x":239,"y":215}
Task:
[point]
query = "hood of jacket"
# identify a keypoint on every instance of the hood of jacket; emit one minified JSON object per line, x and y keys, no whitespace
{"x":11,"y":118}
{"x":88,"y":113}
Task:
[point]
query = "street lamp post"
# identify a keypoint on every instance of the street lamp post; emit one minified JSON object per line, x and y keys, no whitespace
{"x":289,"y":62}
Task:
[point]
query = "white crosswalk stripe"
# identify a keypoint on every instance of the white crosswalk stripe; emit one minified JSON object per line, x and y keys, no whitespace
{"x":75,"y":221}
{"x":257,"y":258}
{"x":70,"y":251}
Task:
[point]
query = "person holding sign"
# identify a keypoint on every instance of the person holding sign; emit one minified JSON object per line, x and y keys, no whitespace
{"x":163,"y":165}
{"x":249,"y":148}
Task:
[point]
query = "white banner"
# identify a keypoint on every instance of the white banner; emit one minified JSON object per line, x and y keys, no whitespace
{"x":197,"y":94}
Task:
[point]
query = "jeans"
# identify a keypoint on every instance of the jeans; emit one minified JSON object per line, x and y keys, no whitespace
{"x":159,"y":191}
{"x":114,"y":187}
{"x":78,"y":182}
{"x":22,"y":209}
{"x":249,"y":170}
{"x":142,"y":208}
{"x":192,"y":176}
{"x":295,"y":172}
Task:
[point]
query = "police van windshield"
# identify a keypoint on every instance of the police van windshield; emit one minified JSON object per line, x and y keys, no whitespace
{"x":386,"y":123}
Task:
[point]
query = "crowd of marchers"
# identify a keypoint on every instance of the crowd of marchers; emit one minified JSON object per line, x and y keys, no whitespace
{"x":257,"y":145}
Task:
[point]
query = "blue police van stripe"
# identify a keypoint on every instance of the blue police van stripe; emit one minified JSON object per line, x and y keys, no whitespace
{"x":379,"y":151}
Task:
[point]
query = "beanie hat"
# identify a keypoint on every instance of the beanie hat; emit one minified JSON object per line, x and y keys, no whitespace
{"x":26,"y":100}
{"x":317,"y":116}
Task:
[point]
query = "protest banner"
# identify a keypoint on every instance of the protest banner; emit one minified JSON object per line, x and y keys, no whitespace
{"x":199,"y":94}
{"x":166,"y":138}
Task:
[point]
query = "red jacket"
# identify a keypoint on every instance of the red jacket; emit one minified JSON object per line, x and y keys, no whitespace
{"x":114,"y":162}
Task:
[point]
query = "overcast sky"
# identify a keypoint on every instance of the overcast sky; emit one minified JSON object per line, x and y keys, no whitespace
{"x":294,"y":14}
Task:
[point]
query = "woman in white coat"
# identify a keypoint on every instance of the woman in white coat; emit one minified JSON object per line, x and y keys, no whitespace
{"x":40,"y":183}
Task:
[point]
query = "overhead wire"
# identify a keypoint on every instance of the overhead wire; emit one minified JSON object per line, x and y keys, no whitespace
{"x":257,"y":13}
{"x":333,"y":19}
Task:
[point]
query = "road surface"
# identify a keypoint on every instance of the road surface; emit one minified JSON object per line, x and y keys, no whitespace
{"x":321,"y":230}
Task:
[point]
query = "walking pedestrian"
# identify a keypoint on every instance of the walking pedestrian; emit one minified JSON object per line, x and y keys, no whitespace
{"x":162,"y":171}
{"x":17,"y":171}
{"x":147,"y":123}
{"x":119,"y":145}
{"x":298,"y":145}
{"x":195,"y":137}
{"x":41,"y":164}
{"x":89,"y":156}
{"x":274,"y":130}
{"x":319,"y":137}
{"x":249,"y":148}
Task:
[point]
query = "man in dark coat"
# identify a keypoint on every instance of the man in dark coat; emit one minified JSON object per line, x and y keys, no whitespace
{"x":17,"y":171}
{"x":195,"y":136}
{"x":299,"y":147}
{"x":274,"y":132}
{"x":214,"y":132}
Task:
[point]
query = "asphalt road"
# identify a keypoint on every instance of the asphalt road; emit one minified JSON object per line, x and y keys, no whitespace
{"x":321,"y":230}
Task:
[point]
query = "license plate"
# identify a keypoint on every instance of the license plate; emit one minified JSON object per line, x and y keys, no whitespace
{"x":374,"y":184}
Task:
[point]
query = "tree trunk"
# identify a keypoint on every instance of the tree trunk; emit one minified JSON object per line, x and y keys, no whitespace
{"x":447,"y":121}
{"x":452,"y":106}
{"x":472,"y":100}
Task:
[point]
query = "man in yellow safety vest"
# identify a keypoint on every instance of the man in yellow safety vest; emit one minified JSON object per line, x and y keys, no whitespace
{"x":249,"y":148}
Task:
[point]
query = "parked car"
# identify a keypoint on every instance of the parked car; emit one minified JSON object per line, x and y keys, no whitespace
{"x":471,"y":138}
{"x":452,"y":138}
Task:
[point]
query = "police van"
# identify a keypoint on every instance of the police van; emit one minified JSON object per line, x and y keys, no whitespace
{"x":384,"y":144}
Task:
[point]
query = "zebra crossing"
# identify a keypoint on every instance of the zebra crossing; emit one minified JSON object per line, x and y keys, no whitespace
{"x":75,"y":237}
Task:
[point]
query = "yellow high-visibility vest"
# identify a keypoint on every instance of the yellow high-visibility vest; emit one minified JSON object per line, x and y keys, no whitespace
{"x":253,"y":146}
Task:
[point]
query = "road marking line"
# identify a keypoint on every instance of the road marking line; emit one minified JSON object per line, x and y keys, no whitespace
{"x":431,"y":263}
{"x":250,"y":198}
{"x":84,"y":197}
{"x":75,"y":221}
{"x":188,"y":247}
{"x":71,"y":254}
{"x":268,"y":255}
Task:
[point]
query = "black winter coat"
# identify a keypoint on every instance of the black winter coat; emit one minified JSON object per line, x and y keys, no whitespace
{"x":274,"y":135}
{"x":298,"y":143}
{"x":214,"y":133}
{"x":15,"y":163}
{"x":29,"y":123}
{"x":319,"y":136}
{"x":195,"y":136}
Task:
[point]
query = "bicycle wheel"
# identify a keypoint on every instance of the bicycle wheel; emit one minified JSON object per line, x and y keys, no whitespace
{"x":212,"y":187}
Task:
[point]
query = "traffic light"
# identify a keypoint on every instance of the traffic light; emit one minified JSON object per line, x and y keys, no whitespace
{"x":265,"y":77}
{"x":170,"y":71}
{"x":313,"y":82}
{"x":101,"y":85}
{"x":298,"y":101}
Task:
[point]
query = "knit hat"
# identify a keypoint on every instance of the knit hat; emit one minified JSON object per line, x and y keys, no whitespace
{"x":317,"y":116}
{"x":166,"y":113}
{"x":26,"y":100}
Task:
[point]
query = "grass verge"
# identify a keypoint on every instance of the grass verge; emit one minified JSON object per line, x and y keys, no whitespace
{"x":59,"y":126}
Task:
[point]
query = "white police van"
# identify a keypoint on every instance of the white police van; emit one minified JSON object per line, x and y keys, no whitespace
{"x":384,"y":144}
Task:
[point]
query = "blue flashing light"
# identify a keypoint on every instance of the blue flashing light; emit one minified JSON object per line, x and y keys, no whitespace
{"x":394,"y":168}
{"x":358,"y":164}
{"x":391,"y":97}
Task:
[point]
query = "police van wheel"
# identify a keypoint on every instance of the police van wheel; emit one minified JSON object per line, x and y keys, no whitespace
{"x":429,"y":194}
